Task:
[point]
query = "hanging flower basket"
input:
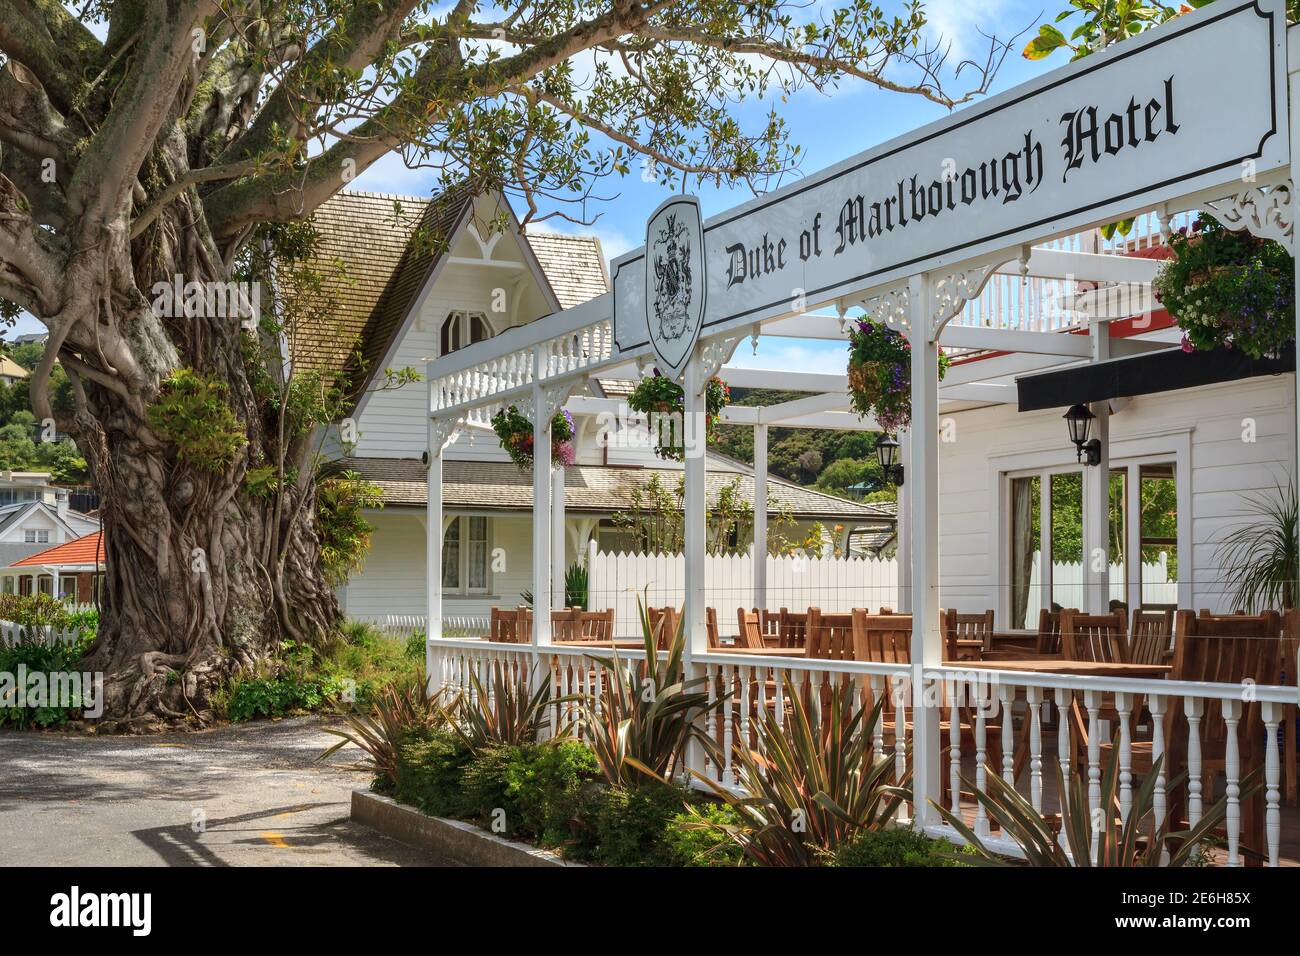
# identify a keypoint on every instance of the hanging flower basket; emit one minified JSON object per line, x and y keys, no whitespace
{"x":880,"y":374}
{"x":516,"y":434}
{"x":665,"y":401}
{"x":1228,"y":290}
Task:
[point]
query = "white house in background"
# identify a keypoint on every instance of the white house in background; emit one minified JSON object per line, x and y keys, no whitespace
{"x":35,"y":515}
{"x":454,"y":283}
{"x":10,"y":371}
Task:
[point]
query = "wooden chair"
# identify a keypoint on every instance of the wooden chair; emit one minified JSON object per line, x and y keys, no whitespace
{"x":1094,"y":637}
{"x":711,"y":627}
{"x":968,"y":627}
{"x":594,"y":625}
{"x":1228,"y":649}
{"x":1049,"y":632}
{"x":664,"y":622}
{"x":510,"y":626}
{"x":887,"y":638}
{"x":751,"y":634}
{"x":792,"y":628}
{"x":1151,"y":637}
{"x":829,"y":636}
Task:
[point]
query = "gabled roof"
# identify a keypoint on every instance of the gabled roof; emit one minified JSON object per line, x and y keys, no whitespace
{"x":86,"y":550}
{"x":493,"y":485}
{"x":11,"y":369}
{"x":389,"y":247}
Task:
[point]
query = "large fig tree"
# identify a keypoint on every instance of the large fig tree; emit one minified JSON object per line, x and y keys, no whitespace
{"x":154,"y":143}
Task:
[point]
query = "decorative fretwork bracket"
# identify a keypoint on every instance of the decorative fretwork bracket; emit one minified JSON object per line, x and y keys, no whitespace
{"x":890,"y":307}
{"x":954,"y":290}
{"x":1263,"y":211}
{"x":444,"y":431}
{"x":552,"y":397}
{"x":714,"y":354}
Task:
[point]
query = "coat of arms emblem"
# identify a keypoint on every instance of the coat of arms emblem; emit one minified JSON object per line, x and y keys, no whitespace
{"x":675,"y":288}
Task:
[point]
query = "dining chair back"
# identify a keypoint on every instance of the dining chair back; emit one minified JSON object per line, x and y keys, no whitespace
{"x":711,"y":627}
{"x":885,"y":638}
{"x":1049,"y":632}
{"x":664,"y":623}
{"x":792,"y":627}
{"x":1150,"y":639}
{"x":969,"y":627}
{"x":750,"y":634}
{"x":510,"y":625}
{"x":594,"y":625}
{"x":830,"y":636}
{"x":1094,"y":637}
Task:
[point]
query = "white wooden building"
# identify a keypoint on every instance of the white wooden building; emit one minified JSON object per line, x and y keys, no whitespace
{"x":1040,"y":314}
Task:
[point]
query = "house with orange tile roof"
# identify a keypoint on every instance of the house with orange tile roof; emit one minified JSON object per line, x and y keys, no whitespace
{"x":73,"y":571}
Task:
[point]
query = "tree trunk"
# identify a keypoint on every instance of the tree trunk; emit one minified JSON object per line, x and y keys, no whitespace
{"x":199,"y":581}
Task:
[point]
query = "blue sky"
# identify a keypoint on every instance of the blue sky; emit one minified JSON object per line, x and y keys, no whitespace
{"x":828,"y":128}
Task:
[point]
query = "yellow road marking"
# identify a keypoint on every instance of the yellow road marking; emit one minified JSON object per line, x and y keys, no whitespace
{"x":275,"y":839}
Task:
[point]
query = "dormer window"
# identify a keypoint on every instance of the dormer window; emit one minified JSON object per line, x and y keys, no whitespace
{"x":462,"y":328}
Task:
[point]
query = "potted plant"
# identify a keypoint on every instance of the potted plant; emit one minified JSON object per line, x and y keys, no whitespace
{"x":516,"y":434}
{"x":1261,"y":559}
{"x":880,"y":374}
{"x":1228,"y":290}
{"x":662,"y":398}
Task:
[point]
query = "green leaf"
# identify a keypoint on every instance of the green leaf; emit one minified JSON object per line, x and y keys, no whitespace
{"x":1049,"y":38}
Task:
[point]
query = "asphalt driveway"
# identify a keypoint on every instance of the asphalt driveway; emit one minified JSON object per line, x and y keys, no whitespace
{"x":246,"y":795}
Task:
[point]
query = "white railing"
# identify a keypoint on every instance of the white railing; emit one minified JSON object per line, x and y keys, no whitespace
{"x":997,"y":721}
{"x":1161,"y":705}
{"x":564,"y":345}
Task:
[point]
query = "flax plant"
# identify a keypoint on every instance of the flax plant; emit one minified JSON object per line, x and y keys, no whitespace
{"x":812,"y":783}
{"x":647,"y":713}
{"x":397,"y":712}
{"x":514,"y":709}
{"x":1104,"y":839}
{"x":1262,"y":558}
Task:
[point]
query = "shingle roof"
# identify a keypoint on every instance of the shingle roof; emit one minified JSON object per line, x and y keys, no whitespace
{"x":388,"y":245}
{"x":574,"y":265}
{"x":11,"y":368}
{"x":85,"y":550}
{"x":598,"y":488}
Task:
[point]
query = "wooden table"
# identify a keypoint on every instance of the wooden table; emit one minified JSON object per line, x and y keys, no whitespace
{"x":1074,"y":668}
{"x":762,"y":651}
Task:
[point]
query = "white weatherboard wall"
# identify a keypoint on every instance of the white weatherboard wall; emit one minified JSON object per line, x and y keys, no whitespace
{"x":1202,"y":428}
{"x":832,"y":584}
{"x":392,"y":580}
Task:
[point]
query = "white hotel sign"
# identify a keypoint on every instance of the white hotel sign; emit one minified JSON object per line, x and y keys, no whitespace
{"x":1185,"y":107}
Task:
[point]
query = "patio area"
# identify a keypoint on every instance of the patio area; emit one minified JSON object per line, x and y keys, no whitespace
{"x":986,"y":658}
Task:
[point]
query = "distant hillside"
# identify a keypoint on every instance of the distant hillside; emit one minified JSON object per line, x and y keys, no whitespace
{"x":830,"y":461}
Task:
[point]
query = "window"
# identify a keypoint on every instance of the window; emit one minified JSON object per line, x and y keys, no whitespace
{"x":1046,"y":516}
{"x":466,"y":550}
{"x":462,"y":328}
{"x":31,"y":536}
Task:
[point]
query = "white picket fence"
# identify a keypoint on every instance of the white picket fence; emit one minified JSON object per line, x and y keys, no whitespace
{"x":833,"y":584}
{"x":1067,"y":584}
{"x":404,"y":625}
{"x":12,"y":634}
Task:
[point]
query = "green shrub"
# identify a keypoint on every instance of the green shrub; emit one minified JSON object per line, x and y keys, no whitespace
{"x":415,"y":647}
{"x":430,"y":771}
{"x":896,"y":846}
{"x":700,"y":836}
{"x":45,"y":659}
{"x":548,"y":785}
{"x":630,"y":824}
{"x":485,"y":789}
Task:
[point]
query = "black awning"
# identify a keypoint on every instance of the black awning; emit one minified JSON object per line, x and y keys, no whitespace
{"x":1161,"y":371}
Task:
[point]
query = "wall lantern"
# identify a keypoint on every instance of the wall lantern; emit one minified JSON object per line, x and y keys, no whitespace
{"x":1079,"y":419}
{"x":887,"y":455}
